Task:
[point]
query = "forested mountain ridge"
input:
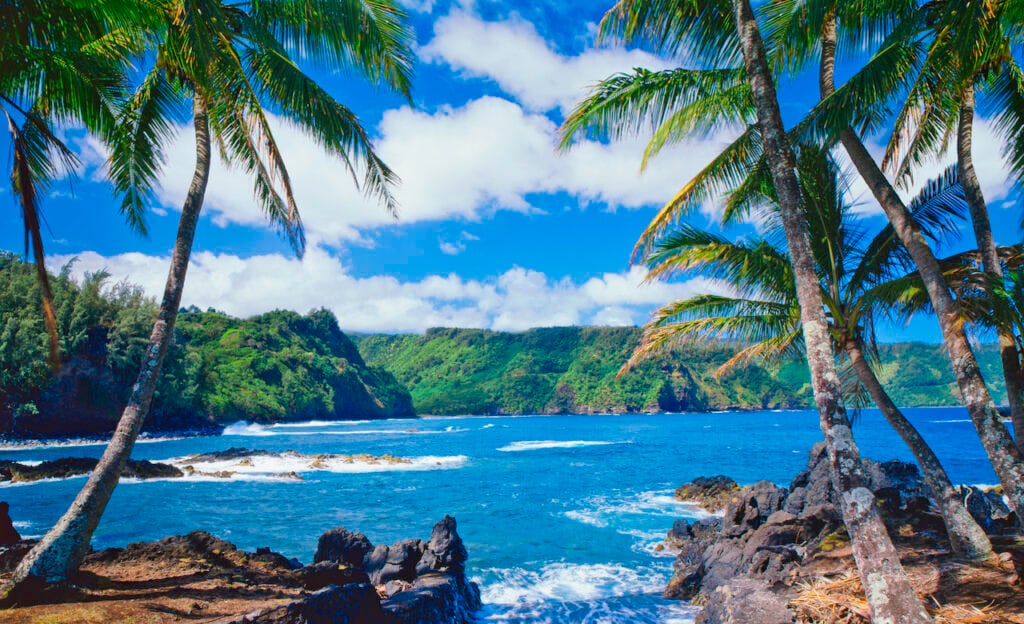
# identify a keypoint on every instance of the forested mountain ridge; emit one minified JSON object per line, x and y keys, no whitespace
{"x":573,"y":369}
{"x":274,"y":367}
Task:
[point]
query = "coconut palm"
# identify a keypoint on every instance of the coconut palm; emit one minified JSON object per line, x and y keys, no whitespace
{"x":61,"y":62}
{"x":970,"y":54}
{"x":853,"y":267}
{"x":231,"y":61}
{"x":862,"y":103}
{"x":694,"y":30}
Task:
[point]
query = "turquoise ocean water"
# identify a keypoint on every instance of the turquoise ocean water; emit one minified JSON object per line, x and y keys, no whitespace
{"x":560,"y":513}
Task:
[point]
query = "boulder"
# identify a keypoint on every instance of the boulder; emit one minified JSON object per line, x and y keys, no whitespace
{"x":399,"y":561}
{"x":319,"y":575}
{"x":432,"y":598}
{"x":750,"y":507}
{"x":348,"y":604}
{"x":988,"y":508}
{"x":8,"y":534}
{"x":744,"y":601}
{"x":340,"y":544}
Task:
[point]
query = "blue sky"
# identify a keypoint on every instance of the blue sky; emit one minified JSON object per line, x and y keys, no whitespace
{"x":497,"y":229}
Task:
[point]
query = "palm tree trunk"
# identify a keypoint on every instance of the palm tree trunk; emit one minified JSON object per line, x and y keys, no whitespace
{"x":26,"y":189}
{"x":966,"y":537}
{"x":990,"y":263}
{"x":890,"y":595}
{"x":62,"y":549}
{"x":1004,"y":455}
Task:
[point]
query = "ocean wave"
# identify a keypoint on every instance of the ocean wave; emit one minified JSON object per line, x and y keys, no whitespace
{"x":604,"y":511}
{"x":10,"y":484}
{"x":535,"y":445}
{"x":264,"y":431}
{"x":39,"y":445}
{"x":317,"y":423}
{"x":599,"y":593}
{"x":950,"y":420}
{"x":277,"y":464}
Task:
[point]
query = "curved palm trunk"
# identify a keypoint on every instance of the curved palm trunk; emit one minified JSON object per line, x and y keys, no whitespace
{"x":22,"y":179}
{"x":1008,"y":353}
{"x":966,"y":537}
{"x":1004,"y":455}
{"x":62,"y":549}
{"x":890,"y":595}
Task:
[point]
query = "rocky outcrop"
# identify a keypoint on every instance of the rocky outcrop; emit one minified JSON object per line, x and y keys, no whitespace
{"x":988,"y":508}
{"x":744,"y":567}
{"x":355,"y":603}
{"x":421,"y":581}
{"x":711,"y":493}
{"x":8,"y":534}
{"x":74,"y":466}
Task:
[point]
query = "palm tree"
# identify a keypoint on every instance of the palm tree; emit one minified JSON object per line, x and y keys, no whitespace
{"x":862,"y":102}
{"x":231,"y":60}
{"x":852,"y":269}
{"x":694,"y":28}
{"x":970,"y":53}
{"x":60,"y":62}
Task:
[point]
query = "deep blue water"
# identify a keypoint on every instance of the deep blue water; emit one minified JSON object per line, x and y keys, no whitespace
{"x":560,"y":513}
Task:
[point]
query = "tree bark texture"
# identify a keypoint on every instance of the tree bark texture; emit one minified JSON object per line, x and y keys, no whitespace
{"x":890,"y":595}
{"x":1004,"y":455}
{"x":1009,"y":355}
{"x":61,"y":551}
{"x":966,"y":537}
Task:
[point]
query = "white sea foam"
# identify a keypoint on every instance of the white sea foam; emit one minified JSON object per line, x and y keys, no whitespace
{"x":950,"y":420}
{"x":603,"y":511}
{"x":593,"y":593}
{"x":273,"y":465}
{"x":488,"y":426}
{"x":317,"y":423}
{"x":7,"y":484}
{"x":569,"y":582}
{"x":534,"y":445}
{"x":263,"y":431}
{"x":39,"y":445}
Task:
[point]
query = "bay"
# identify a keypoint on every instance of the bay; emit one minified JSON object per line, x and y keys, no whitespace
{"x":560,"y":514}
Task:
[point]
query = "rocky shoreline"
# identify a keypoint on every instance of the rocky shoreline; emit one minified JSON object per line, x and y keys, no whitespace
{"x":203,"y":578}
{"x":781,"y":555}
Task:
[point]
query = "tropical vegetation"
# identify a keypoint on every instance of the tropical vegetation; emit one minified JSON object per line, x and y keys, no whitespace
{"x":231,"y":63}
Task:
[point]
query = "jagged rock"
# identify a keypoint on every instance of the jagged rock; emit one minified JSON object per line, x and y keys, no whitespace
{"x":433,"y":597}
{"x":425,"y":582}
{"x":711,"y":493}
{"x":340,"y":544}
{"x":988,"y":508}
{"x":348,"y":604}
{"x":400,"y":562}
{"x":750,"y":507}
{"x":745,"y":601}
{"x":74,"y":466}
{"x":277,"y":560}
{"x":8,"y":534}
{"x":319,"y":575}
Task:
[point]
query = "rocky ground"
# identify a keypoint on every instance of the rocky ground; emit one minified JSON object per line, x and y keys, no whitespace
{"x":781,"y":555}
{"x":200,"y":578}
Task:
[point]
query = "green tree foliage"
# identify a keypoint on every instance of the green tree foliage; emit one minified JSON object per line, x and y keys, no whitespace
{"x":573,"y":369}
{"x":273,"y":367}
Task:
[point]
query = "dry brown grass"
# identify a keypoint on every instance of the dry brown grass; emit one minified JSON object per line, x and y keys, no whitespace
{"x":841,"y":601}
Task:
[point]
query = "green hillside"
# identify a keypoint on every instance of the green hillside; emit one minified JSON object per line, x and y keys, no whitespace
{"x":272,"y":367}
{"x":572,"y":370}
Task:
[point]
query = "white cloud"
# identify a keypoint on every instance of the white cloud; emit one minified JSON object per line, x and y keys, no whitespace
{"x":523,"y":63}
{"x":517,"y":299}
{"x":997,"y":181}
{"x":452,"y":249}
{"x":455,"y":163}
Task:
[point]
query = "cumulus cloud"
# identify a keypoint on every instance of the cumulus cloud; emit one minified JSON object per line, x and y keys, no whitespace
{"x":997,"y":181}
{"x":517,"y":299}
{"x":455,"y":163}
{"x":522,"y":62}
